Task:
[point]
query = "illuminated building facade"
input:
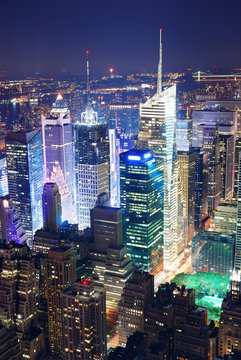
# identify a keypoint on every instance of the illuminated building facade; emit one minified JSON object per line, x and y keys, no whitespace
{"x":237,"y":259}
{"x":26,"y":178}
{"x":18,"y":290}
{"x":60,"y":273}
{"x":236,"y":171}
{"x":10,"y":225}
{"x":51,"y":206}
{"x":111,"y":265}
{"x":114,"y":166}
{"x":183,"y":134}
{"x":127,"y":117}
{"x":3,"y":177}
{"x":157,"y":131}
{"x":226,"y":120}
{"x":227,"y":152}
{"x":91,"y":165}
{"x":225,"y":217}
{"x":84,"y":322}
{"x":58,"y":149}
{"x":211,"y":144}
{"x":141,"y":190}
{"x":201,"y":187}
{"x":213,"y":252}
{"x":137,"y":294}
{"x":230,"y":321}
{"x":186,"y":163}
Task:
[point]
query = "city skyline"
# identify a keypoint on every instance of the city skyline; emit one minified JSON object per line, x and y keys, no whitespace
{"x":60,"y":35}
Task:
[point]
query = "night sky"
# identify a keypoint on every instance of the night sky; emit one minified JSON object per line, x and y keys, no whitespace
{"x":50,"y":35}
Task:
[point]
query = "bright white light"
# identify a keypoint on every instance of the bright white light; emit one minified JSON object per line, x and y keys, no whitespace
{"x":134,"y":157}
{"x":146,"y":156}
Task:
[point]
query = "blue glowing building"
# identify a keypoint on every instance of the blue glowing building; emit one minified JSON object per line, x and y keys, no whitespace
{"x":141,"y":192}
{"x":3,"y":177}
{"x":26,"y":178}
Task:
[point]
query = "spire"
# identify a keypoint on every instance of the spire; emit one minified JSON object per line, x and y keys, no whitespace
{"x":88,"y":77}
{"x":59,"y":97}
{"x":159,"y":75}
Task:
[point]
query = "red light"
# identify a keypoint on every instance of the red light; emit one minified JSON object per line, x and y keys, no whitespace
{"x":87,"y":52}
{"x":160,"y":29}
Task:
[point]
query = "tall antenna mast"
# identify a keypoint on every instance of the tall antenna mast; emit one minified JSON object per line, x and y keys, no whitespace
{"x":88,"y":76}
{"x":159,"y":75}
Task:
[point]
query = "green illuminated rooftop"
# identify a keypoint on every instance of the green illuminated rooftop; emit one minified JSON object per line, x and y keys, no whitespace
{"x":210,"y":288}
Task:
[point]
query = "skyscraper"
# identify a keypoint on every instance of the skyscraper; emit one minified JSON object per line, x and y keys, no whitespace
{"x":111,"y":265}
{"x":114,"y":165}
{"x":227,"y":155}
{"x":141,"y":189}
{"x":157,"y":130}
{"x":60,"y":273}
{"x":3,"y":177}
{"x":138,"y":293}
{"x":186,"y":162}
{"x":84,"y":322}
{"x":230,"y":321}
{"x":17,"y":288}
{"x":211,"y":144}
{"x":91,"y":161}
{"x":51,"y":206}
{"x":26,"y":178}
{"x":237,"y":258}
{"x":11,"y":228}
{"x":58,"y":149}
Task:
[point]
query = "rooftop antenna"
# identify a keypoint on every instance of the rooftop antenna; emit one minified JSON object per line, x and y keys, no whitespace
{"x":88,"y":77}
{"x":159,"y":75}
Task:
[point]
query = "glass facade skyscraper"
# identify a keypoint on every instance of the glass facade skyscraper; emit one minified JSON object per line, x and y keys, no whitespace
{"x":141,"y":189}
{"x":91,"y":167}
{"x":58,"y":150}
{"x":157,"y":132}
{"x":26,"y":178}
{"x":3,"y":177}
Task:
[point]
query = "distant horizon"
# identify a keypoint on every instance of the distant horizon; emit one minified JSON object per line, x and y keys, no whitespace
{"x":50,"y":36}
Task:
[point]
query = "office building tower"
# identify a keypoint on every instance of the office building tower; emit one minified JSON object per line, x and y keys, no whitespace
{"x":137,"y":294}
{"x":237,"y":259}
{"x":225,"y":217}
{"x":201,"y":187}
{"x":186,"y":163}
{"x":10,"y":225}
{"x":230,"y":105}
{"x":230,"y":321}
{"x":60,"y":273}
{"x":126,"y":142}
{"x":227,"y":157}
{"x":111,"y":265}
{"x":9,"y":345}
{"x":183,"y":134}
{"x":33,"y":345}
{"x":213,"y":252}
{"x":226,"y":120}
{"x":211,"y":144}
{"x":127,"y":117}
{"x":58,"y":147}
{"x":141,"y":190}
{"x":114,"y":165}
{"x":236,"y":166}
{"x":26,"y":178}
{"x":91,"y":161}
{"x":157,"y":131}
{"x":84,"y":322}
{"x":52,"y":214}
{"x":3,"y":177}
{"x":18,"y":290}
